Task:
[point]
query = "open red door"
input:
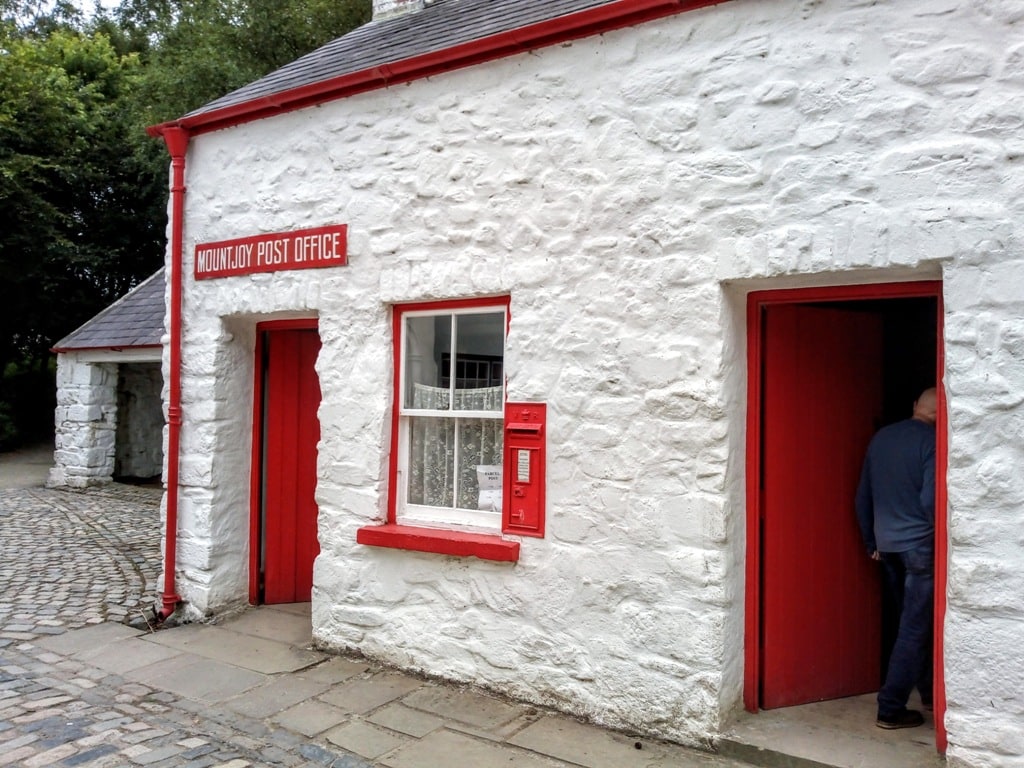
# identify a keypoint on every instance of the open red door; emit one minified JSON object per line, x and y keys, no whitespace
{"x":290,"y":433}
{"x":820,"y":630}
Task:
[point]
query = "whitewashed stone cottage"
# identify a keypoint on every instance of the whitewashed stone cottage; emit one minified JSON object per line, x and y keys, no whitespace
{"x":538,"y":345}
{"x":109,"y":418}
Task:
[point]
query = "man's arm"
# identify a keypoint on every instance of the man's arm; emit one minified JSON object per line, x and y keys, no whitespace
{"x":927,"y":495}
{"x":866,"y":510}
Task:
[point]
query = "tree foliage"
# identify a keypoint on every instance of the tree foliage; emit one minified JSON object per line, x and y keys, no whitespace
{"x":68,"y":198}
{"x":83,"y":189}
{"x":201,"y":49}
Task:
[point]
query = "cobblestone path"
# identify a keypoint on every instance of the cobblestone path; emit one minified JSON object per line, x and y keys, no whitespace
{"x":73,"y":558}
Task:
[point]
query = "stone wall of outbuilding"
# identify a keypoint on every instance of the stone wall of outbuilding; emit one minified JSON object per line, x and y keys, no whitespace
{"x":108,"y":421}
{"x":85,"y":422}
{"x":627,"y":191}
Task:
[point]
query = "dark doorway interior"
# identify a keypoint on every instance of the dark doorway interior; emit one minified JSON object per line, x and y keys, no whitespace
{"x":138,"y":440}
{"x":909,"y":327}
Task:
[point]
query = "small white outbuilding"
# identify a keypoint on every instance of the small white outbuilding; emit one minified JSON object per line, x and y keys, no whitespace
{"x":109,"y":419}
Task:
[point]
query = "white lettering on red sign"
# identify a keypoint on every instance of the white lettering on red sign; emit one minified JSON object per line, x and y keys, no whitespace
{"x":302,"y":249}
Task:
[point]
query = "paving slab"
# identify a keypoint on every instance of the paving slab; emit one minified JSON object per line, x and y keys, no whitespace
{"x":254,"y":653}
{"x":445,"y":749}
{"x":401,"y":718}
{"x":198,"y":678}
{"x":304,"y":609}
{"x":277,"y":694}
{"x":269,"y":622}
{"x":87,"y":639}
{"x":593,"y":747}
{"x":365,"y":694}
{"x":366,"y":740}
{"x":335,"y":670}
{"x":466,"y":706}
{"x":311,"y":717}
{"x":122,"y":656}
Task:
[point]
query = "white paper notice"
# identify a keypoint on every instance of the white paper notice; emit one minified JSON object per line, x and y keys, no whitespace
{"x":488,"y":478}
{"x":522,"y":466}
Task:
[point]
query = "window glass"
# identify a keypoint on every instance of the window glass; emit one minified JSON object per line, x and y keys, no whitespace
{"x":431,"y":469}
{"x":475,"y":382}
{"x":428,"y":341}
{"x":453,"y":366}
{"x":480,"y":342}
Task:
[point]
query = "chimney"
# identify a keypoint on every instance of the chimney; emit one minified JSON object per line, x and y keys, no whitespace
{"x":388,"y":9}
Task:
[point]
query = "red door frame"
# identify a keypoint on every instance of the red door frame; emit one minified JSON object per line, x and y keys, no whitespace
{"x":255,"y":463}
{"x":755,"y":302}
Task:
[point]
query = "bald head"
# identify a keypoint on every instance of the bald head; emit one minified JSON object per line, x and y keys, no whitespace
{"x":926,"y":405}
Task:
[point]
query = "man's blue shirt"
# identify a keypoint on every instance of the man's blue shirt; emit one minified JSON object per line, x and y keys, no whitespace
{"x":896,"y":495}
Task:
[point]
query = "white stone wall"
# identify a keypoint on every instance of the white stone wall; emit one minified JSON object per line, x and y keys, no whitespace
{"x":627,"y":191}
{"x":85,"y":422}
{"x":108,"y":418}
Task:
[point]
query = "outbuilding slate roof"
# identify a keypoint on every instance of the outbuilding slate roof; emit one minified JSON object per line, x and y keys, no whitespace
{"x":134,"y":320}
{"x":440,"y":25}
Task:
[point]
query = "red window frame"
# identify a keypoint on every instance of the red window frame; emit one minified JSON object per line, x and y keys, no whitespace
{"x":442,"y":541}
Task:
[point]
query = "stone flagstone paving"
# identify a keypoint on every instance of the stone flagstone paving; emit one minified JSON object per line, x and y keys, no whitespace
{"x":70,"y":559}
{"x":78,"y":687}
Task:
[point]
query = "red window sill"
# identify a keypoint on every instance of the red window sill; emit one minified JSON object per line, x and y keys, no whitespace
{"x":439,"y":542}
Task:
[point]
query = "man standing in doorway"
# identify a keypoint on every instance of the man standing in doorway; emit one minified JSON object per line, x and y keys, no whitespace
{"x":896,"y":512}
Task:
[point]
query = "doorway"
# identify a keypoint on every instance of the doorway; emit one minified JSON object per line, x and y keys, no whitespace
{"x":286,"y":431}
{"x":826,"y":369}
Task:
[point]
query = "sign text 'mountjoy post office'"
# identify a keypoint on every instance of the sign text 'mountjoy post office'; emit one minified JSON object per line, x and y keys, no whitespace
{"x":301,"y":249}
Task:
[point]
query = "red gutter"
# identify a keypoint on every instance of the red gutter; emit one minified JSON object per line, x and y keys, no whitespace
{"x":176,"y":139}
{"x":616,"y":15}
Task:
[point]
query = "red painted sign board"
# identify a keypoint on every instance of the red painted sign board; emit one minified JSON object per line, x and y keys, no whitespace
{"x":299,"y":249}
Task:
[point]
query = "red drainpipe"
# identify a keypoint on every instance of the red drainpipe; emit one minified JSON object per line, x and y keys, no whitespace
{"x":176,"y":139}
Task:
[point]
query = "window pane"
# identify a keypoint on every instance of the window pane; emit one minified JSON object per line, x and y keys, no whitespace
{"x":480,"y":445}
{"x":431,"y":461}
{"x":479,"y":362}
{"x":427,"y":356}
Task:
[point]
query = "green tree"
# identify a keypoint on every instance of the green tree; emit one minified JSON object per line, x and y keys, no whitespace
{"x":198,"y":50}
{"x":83,"y":188}
{"x":68,"y":193}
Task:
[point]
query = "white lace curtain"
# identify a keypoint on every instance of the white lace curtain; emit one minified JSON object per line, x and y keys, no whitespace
{"x":432,"y":461}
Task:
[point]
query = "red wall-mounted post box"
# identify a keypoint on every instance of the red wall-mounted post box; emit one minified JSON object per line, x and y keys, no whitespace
{"x":524,"y":475}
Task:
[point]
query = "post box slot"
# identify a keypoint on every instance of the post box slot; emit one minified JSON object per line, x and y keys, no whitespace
{"x":520,"y":427}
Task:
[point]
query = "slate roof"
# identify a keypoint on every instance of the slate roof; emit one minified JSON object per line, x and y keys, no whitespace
{"x":134,"y":320}
{"x":441,"y":24}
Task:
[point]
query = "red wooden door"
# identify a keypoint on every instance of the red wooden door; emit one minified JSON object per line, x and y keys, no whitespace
{"x":821,"y":624}
{"x":291,"y":430}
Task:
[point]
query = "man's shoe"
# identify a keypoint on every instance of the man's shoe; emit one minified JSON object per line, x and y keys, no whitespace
{"x":908,"y":718}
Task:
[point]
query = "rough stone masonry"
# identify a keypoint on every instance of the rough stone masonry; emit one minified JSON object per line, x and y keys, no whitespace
{"x":627,"y":191}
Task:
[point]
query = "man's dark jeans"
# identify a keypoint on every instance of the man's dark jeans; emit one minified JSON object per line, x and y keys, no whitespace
{"x":910,"y":576}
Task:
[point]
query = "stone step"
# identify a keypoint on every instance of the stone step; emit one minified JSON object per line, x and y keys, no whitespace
{"x":828,"y":734}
